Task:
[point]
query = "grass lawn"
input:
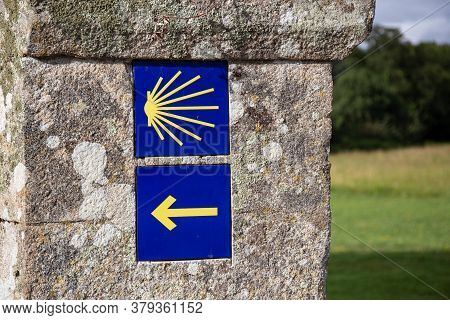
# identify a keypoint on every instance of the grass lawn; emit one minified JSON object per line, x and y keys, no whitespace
{"x":391,"y":217}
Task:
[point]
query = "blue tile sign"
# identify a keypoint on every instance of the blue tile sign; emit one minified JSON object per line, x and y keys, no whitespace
{"x":181,"y":108}
{"x":183,"y":212}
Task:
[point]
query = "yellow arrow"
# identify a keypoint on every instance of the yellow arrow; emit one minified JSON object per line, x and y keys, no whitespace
{"x":162,"y":213}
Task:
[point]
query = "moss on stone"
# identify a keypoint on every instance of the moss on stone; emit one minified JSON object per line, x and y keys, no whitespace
{"x":98,"y":22}
{"x":8,"y":56}
{"x":12,"y":152}
{"x":164,"y":29}
{"x":12,"y":8}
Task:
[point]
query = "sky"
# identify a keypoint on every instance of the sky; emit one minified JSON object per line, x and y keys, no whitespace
{"x":404,"y":14}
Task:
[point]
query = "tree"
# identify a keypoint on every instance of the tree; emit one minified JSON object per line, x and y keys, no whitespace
{"x":396,"y":95}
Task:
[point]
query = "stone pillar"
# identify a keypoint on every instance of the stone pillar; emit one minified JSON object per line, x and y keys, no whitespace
{"x":67,"y":164}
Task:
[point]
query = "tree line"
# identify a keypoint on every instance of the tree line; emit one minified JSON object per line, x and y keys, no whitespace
{"x":391,"y":93}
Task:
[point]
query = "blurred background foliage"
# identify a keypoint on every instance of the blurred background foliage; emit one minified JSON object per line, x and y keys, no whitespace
{"x":390,"y":171}
{"x":391,"y":93}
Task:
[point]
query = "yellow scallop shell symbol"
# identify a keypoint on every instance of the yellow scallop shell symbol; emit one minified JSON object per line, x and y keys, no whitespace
{"x":157,"y":108}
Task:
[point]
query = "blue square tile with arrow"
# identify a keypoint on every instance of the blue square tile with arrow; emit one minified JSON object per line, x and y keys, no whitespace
{"x":183,"y":212}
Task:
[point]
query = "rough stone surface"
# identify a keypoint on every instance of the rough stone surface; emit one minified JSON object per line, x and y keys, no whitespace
{"x":13,"y":173}
{"x":197,"y":29}
{"x":78,"y":221}
{"x":9,"y":238}
{"x":12,"y":169}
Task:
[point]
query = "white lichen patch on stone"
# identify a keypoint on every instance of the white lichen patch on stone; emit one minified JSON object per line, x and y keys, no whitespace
{"x":79,"y":239}
{"x":53,"y":142}
{"x":252,"y":138}
{"x":19,"y":214}
{"x":5,"y":212}
{"x":205,"y":50}
{"x":192,"y":269}
{"x":93,"y":205}
{"x":112,"y":130}
{"x":287,"y":18}
{"x":290,"y":47}
{"x":236,"y":111}
{"x":253,"y":166}
{"x":19,"y":178}
{"x":127,"y":148}
{"x":45,"y":125}
{"x":2,"y":112}
{"x":89,"y":161}
{"x":120,"y":205}
{"x":283,"y":129}
{"x":281,"y":126}
{"x":8,"y":101}
{"x":8,"y":260}
{"x":243,"y":295}
{"x":105,"y":234}
{"x":115,"y":202}
{"x":315,"y":116}
{"x":272,"y":151}
{"x":236,"y":105}
{"x":5,"y":107}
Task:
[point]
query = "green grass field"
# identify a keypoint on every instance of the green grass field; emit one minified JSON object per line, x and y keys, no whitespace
{"x":391,"y":217}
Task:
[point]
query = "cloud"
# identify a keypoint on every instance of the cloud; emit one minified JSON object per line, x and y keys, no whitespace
{"x":409,"y":17}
